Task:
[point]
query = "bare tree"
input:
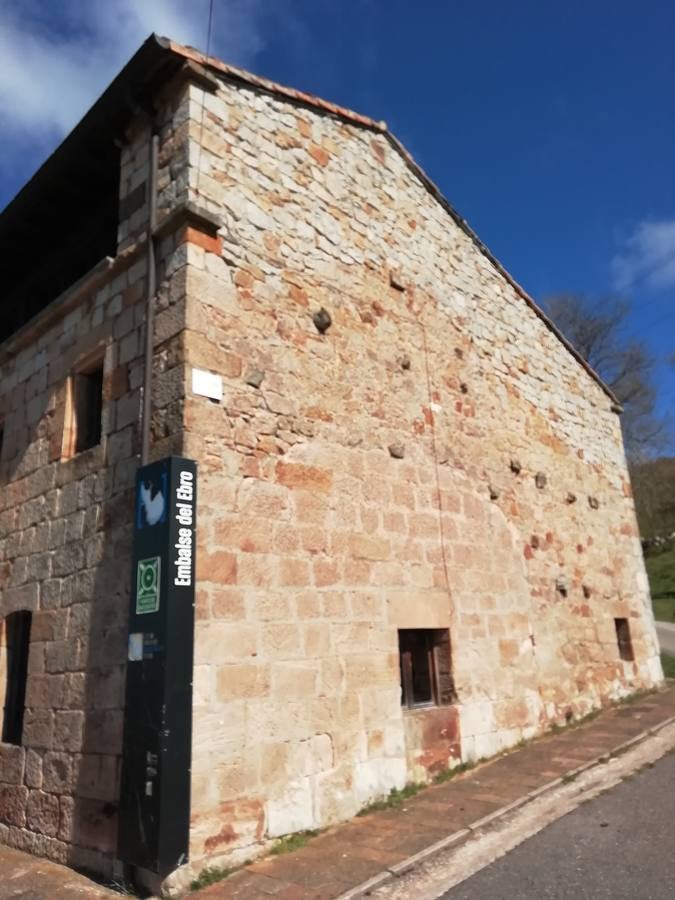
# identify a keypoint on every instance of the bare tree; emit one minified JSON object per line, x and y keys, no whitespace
{"x":654,"y":489}
{"x":598,"y":330}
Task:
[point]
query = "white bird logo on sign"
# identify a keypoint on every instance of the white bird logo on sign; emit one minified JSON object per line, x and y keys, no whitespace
{"x":153,"y":506}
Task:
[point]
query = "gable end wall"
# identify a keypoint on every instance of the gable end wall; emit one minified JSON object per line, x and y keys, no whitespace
{"x":318,"y":541}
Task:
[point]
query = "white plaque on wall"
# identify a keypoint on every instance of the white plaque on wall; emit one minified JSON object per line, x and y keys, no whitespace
{"x":207,"y":384}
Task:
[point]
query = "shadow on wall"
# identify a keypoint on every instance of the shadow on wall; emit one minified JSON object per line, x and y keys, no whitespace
{"x":67,"y":530}
{"x":98,"y":635}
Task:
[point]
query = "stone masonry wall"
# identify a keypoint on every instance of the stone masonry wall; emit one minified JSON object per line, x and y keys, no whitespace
{"x":66,"y":524}
{"x":437,"y":459}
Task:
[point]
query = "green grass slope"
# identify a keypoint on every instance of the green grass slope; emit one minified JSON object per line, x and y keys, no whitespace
{"x":661,"y":572}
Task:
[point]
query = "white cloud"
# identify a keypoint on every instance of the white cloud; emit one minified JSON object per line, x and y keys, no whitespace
{"x":55,"y":62}
{"x":647,"y":257}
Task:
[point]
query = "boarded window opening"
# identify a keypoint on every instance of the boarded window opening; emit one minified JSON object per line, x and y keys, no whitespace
{"x":14,"y":646}
{"x":84,"y":410}
{"x":426,"y":670}
{"x":623,"y":640}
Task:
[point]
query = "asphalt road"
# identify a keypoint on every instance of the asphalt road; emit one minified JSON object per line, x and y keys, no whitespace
{"x":666,"y":633}
{"x":620,"y":846}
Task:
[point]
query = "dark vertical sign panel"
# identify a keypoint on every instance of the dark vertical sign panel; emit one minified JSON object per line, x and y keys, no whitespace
{"x":154,"y":814}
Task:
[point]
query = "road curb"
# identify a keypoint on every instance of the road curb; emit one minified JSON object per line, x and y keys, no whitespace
{"x":411,"y":861}
{"x":459,"y":837}
{"x":365,"y":887}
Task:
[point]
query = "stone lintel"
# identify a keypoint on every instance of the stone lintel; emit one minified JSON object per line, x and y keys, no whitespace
{"x":418,"y":609}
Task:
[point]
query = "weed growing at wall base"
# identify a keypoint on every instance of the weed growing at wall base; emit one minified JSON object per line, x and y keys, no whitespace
{"x":210,"y":875}
{"x":393,"y":799}
{"x":292,"y":842}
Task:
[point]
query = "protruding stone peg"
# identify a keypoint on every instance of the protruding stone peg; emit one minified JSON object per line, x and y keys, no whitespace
{"x":254,"y":378}
{"x":322,"y":320}
{"x":396,"y":281}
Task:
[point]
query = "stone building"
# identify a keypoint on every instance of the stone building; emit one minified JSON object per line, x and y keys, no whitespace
{"x":416,"y":538}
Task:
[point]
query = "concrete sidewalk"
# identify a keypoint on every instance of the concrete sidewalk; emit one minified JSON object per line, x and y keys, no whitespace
{"x":26,"y":877}
{"x":347,"y":860}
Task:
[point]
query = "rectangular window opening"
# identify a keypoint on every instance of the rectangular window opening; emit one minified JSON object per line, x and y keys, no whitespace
{"x":84,"y":410}
{"x":426,"y":669}
{"x":14,"y":646}
{"x":87,"y":408}
{"x":623,"y":640}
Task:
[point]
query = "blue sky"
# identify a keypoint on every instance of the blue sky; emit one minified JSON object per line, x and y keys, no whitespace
{"x":549,"y":126}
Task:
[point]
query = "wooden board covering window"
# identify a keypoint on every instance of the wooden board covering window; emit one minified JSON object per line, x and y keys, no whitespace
{"x":445,"y":684}
{"x":83,"y":409}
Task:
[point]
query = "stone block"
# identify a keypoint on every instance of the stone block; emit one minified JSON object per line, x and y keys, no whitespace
{"x":88,"y":823}
{"x":239,"y":823}
{"x":409,"y":608}
{"x":13,"y":799}
{"x":295,"y":680}
{"x":218,"y":566}
{"x":292,"y":810}
{"x":12,"y":763}
{"x":42,"y":813}
{"x":48,"y":625}
{"x":97,"y":777}
{"x":45,"y":692}
{"x":38,"y":728}
{"x":223,"y":728}
{"x":303,"y":477}
{"x":294,"y":573}
{"x":220,"y":641}
{"x":240,"y":681}
{"x":102,"y":731}
{"x":57,"y":772}
{"x":33,"y":769}
{"x":377,"y":777}
{"x":68,"y":730}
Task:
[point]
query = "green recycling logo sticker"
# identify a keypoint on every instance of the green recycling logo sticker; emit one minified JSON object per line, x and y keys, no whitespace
{"x":147,"y":585}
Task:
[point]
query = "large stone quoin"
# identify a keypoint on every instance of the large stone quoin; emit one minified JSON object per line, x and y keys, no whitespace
{"x":416,"y":538}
